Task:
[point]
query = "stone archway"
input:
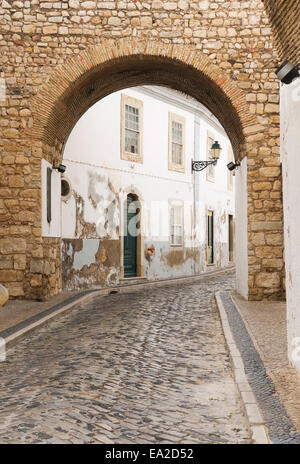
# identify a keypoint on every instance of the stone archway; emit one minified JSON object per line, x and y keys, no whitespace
{"x":101,"y":69}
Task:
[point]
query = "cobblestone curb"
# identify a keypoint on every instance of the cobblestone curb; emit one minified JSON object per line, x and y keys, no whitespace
{"x":268,"y":419}
{"x":254,"y":416}
{"x":17,"y":332}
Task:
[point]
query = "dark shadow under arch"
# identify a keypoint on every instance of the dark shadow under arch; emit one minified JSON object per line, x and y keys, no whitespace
{"x":124,"y":72}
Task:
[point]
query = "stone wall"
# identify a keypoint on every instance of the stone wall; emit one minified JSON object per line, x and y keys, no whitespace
{"x":58,"y":58}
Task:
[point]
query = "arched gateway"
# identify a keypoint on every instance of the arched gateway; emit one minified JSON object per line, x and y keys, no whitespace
{"x":97,"y":71}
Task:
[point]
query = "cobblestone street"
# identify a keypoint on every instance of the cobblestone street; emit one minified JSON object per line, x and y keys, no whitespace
{"x":143,"y":367}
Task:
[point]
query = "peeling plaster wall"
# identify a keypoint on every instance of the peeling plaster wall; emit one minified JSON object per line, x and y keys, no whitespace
{"x":92,"y":218}
{"x":93,"y":208}
{"x":290,"y":144}
{"x":90,"y":263}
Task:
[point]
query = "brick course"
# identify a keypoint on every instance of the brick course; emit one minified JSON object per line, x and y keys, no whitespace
{"x":284,"y":19}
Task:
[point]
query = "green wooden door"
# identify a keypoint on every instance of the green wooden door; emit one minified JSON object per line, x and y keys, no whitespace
{"x":210,"y":237}
{"x":130,"y":242}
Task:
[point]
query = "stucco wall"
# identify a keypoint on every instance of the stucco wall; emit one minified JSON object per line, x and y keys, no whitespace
{"x":290,"y":148}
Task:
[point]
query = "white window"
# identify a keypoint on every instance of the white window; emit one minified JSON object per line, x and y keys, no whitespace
{"x":131,"y":129}
{"x":176,"y":225}
{"x":176,"y":142}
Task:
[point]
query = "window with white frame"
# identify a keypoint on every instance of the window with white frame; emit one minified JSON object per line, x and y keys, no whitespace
{"x":176,"y":225}
{"x":210,"y":173}
{"x":176,"y":142}
{"x":131,"y":129}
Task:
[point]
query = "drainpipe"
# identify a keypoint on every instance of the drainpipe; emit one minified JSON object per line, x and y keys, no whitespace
{"x":196,"y":186}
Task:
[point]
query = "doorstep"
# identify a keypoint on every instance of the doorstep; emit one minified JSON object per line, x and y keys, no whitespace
{"x":131,"y":280}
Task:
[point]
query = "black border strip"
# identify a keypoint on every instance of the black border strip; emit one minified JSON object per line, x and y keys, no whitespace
{"x":31,"y":320}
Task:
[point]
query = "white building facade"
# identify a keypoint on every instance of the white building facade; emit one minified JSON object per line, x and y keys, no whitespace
{"x":289,"y":153}
{"x":131,"y":206}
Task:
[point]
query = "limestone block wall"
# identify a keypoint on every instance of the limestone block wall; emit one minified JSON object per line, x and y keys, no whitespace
{"x":58,"y":58}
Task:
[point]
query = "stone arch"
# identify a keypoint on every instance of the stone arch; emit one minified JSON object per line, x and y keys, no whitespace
{"x":134,"y":190}
{"x":102,"y":69}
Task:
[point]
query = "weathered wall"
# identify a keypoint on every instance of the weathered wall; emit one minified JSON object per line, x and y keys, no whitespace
{"x":241,"y":243}
{"x":56,"y":64}
{"x":290,"y":124}
{"x":90,"y":262}
{"x":92,"y":216}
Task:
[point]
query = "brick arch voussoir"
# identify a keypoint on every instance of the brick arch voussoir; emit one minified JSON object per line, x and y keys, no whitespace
{"x":64,"y":77}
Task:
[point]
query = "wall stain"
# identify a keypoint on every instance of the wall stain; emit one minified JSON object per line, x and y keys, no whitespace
{"x":175,"y":258}
{"x":150,"y":253}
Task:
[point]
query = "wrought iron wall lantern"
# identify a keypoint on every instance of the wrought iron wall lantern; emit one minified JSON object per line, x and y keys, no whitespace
{"x":201,"y":165}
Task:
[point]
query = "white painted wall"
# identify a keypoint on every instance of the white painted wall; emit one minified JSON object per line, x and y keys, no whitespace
{"x":241,"y":238}
{"x":52,"y":229}
{"x":93,"y":152}
{"x":290,"y":150}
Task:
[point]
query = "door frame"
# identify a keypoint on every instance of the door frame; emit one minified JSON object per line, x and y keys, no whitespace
{"x":233,"y":238}
{"x":140,"y":238}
